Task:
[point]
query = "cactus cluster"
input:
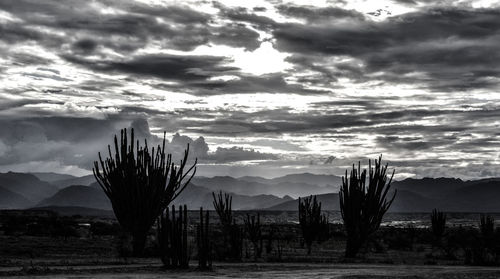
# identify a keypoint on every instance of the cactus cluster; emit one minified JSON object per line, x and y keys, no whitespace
{"x":140,"y":184}
{"x":203,"y":241}
{"x":173,"y":238}
{"x":487,"y":226}
{"x":438,"y":223}
{"x":253,"y":229}
{"x":233,"y":234}
{"x":223,"y":207}
{"x":312,"y":223}
{"x":363,"y":207}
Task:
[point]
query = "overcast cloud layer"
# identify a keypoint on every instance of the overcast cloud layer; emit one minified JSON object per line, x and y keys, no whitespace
{"x":258,"y":87}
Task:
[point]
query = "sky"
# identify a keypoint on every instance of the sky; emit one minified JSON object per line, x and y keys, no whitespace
{"x":255,"y":87}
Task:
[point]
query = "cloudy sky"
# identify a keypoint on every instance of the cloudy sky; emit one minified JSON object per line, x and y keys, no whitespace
{"x":257,"y":87}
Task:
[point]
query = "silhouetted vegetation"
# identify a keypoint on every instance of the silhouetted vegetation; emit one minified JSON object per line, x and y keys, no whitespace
{"x":223,"y":207}
{"x":438,"y":224}
{"x":312,"y":223}
{"x":140,"y":184}
{"x":253,"y":229}
{"x":173,"y":238}
{"x":232,"y":233}
{"x":362,"y":207}
{"x":487,"y":227}
{"x":203,"y":241}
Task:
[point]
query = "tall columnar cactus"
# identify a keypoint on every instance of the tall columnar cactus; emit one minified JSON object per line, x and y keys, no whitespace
{"x":254,"y":231}
{"x":140,"y":184}
{"x":312,"y":223}
{"x":203,"y":242}
{"x":363,"y":207}
{"x":438,"y":222}
{"x":487,"y":225}
{"x":223,"y":207}
{"x":173,"y":238}
{"x":233,"y":235}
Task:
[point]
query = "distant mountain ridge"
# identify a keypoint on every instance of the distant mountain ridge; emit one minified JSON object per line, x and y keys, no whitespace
{"x":83,"y":180}
{"x":322,"y":180}
{"x":22,"y":190}
{"x":423,"y":195}
{"x":11,"y":200}
{"x":78,"y":195}
{"x":27,"y":185}
{"x":51,"y":176}
{"x":193,"y":196}
{"x":292,"y":185}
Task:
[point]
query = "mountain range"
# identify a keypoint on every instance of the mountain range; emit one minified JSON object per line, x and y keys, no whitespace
{"x":27,"y":190}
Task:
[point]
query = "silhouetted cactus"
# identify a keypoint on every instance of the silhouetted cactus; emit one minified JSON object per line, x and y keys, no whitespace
{"x":312,"y":222}
{"x":438,"y":224}
{"x":173,"y":238}
{"x":223,"y":207}
{"x":254,"y":232}
{"x":233,"y":235}
{"x":203,"y":242}
{"x":140,"y":184}
{"x":487,"y":225}
{"x":487,"y":228}
{"x":362,"y":207}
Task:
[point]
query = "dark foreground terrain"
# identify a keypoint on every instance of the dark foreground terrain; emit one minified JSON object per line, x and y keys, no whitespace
{"x":49,"y":245}
{"x":265,"y":270}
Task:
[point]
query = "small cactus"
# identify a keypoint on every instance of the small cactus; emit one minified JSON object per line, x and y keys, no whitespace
{"x":312,"y":223}
{"x":438,"y":223}
{"x":203,"y":242}
{"x":172,"y":238}
{"x":254,"y":232}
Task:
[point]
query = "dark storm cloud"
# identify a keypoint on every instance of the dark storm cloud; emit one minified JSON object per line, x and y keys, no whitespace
{"x":455,"y":49}
{"x":72,"y":141}
{"x":181,"y":27}
{"x":236,"y":35}
{"x":235,"y":154}
{"x":76,"y":141}
{"x":176,"y":67}
{"x":285,"y":120}
{"x":312,"y":14}
{"x":85,"y":45}
{"x":243,"y":15}
{"x":410,"y":143}
{"x":268,"y":83}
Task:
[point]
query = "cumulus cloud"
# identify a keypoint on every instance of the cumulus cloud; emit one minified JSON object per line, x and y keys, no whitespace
{"x":417,"y":85}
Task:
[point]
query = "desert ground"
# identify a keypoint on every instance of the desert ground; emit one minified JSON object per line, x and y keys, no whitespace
{"x":149,"y":269}
{"x":77,"y":249}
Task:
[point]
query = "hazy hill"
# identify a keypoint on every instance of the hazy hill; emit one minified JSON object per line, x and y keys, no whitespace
{"x":20,"y":190}
{"x":51,"y":176}
{"x":242,"y":187}
{"x":306,"y":178}
{"x":478,"y":197}
{"x":83,"y":180}
{"x":328,"y":202}
{"x":429,"y":187}
{"x":407,"y":201}
{"x":78,"y":195}
{"x":11,"y":200}
{"x":27,"y":185}
{"x":194,"y":196}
